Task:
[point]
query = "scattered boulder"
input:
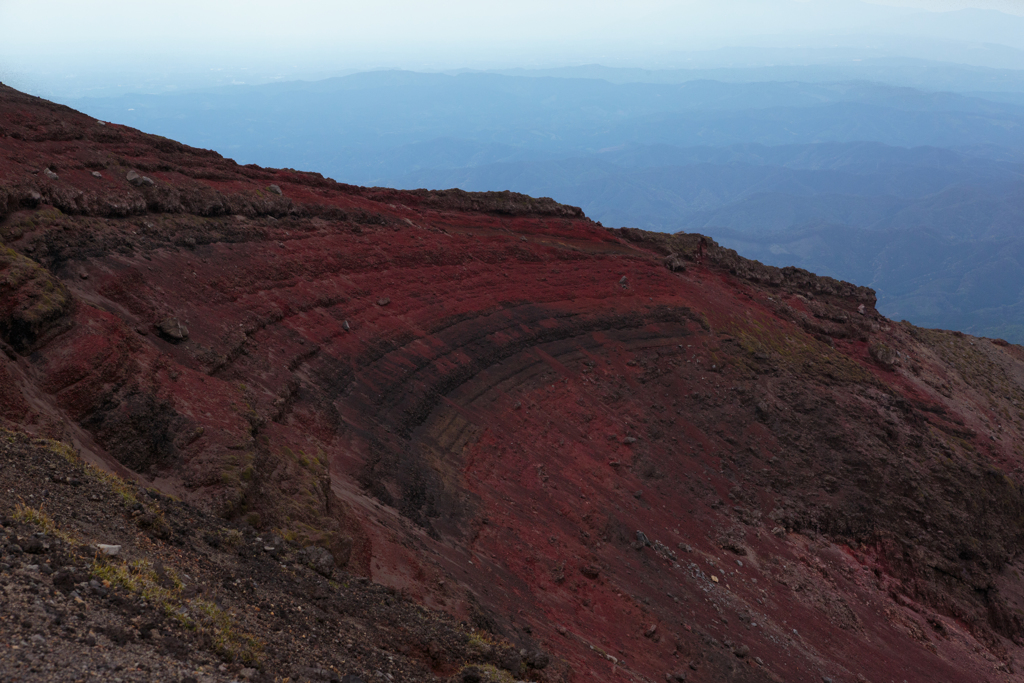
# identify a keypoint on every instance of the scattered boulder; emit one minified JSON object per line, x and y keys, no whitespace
{"x":97,"y":174}
{"x":32,"y":546}
{"x":138,"y":180}
{"x":512,"y":662}
{"x":674,"y":263}
{"x":64,"y":581}
{"x":883,"y":354}
{"x":319,"y":559}
{"x":591,"y":571}
{"x":173,"y":329}
{"x":538,"y":659}
{"x":32,"y":199}
{"x":383,"y":301}
{"x":108,"y":549}
{"x":50,"y":174}
{"x":275,"y":189}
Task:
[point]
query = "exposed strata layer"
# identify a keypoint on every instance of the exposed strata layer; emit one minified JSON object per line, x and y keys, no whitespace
{"x":642,"y":452}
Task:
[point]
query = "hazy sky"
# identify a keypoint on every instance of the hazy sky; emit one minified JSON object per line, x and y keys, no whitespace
{"x":119,"y":26}
{"x":1008,"y":6}
{"x":65,"y":40}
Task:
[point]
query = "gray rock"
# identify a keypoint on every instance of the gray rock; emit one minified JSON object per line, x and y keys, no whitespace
{"x":883,"y":354}
{"x":383,"y":301}
{"x":173,"y":328}
{"x":512,"y":662}
{"x":319,"y":559}
{"x":50,"y":174}
{"x":33,"y":546}
{"x":137,"y":180}
{"x":674,"y":263}
{"x":275,"y":189}
{"x":325,"y":674}
{"x":64,"y":581}
{"x":109,"y":550}
{"x":538,"y":659}
{"x":97,"y":174}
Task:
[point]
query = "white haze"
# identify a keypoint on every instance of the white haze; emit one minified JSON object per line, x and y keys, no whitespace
{"x":71,"y":48}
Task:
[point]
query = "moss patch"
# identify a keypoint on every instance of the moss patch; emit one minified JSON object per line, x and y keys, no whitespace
{"x":32,"y":300}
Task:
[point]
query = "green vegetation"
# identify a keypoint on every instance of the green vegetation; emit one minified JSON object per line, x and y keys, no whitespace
{"x":37,"y":296}
{"x":42,"y":521}
{"x":202,"y":616}
{"x":796,"y":351}
{"x":41,"y":218}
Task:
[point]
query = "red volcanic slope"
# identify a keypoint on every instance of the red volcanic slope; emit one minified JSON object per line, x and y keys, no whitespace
{"x":718,"y":469}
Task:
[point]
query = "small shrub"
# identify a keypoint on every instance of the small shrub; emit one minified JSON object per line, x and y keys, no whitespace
{"x":42,"y":521}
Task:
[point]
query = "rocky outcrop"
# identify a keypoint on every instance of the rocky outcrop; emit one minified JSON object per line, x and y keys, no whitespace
{"x":33,"y":303}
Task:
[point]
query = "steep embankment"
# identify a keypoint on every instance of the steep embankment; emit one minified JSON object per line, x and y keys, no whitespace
{"x":595,"y":442}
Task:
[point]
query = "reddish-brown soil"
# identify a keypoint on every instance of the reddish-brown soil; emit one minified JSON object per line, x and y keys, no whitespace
{"x":719,"y":470}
